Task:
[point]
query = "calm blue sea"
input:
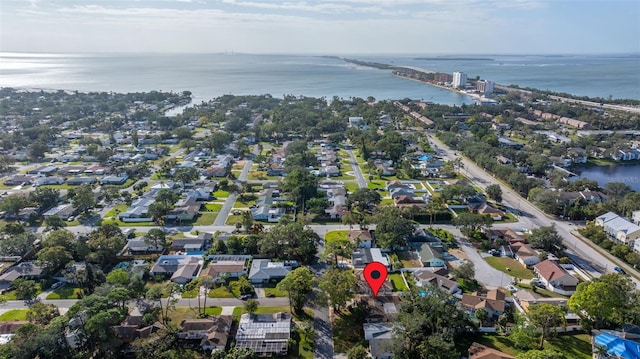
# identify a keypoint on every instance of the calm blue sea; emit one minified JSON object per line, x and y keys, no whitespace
{"x":211,"y":75}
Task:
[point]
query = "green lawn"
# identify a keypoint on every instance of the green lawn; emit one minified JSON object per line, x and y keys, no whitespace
{"x":65,"y":293}
{"x":232,"y":220}
{"x":220,"y":292}
{"x":116,"y":210}
{"x":343,"y":177}
{"x":213,"y":310}
{"x":212,"y":207}
{"x":333,"y":235}
{"x":386,"y":201}
{"x":575,"y":346}
{"x":13,"y":315}
{"x":221,"y":194}
{"x":398,"y":283}
{"x":206,"y":218}
{"x":514,"y":267}
{"x":351,"y":186}
{"x":118,"y":222}
{"x":541,"y":292}
{"x":269,"y":292}
{"x":376,"y":184}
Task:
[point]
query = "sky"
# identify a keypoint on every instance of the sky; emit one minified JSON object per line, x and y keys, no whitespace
{"x":331,"y":27}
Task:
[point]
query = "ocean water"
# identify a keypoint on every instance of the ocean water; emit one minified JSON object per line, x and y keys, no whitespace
{"x":211,"y":75}
{"x":593,"y":76}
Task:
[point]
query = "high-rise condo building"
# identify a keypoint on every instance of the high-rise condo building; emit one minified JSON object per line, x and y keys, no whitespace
{"x":459,"y":79}
{"x":484,"y":86}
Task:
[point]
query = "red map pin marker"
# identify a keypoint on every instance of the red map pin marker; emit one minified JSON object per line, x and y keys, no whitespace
{"x":375,"y":273}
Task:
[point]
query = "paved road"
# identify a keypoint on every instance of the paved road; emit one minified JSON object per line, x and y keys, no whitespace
{"x":362,"y":182}
{"x":182,"y":302}
{"x":485,"y":274}
{"x":531,"y":217}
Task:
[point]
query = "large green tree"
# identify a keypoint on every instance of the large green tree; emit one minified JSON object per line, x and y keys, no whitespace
{"x":607,"y":301}
{"x":546,"y":317}
{"x":300,"y":185}
{"x":340,"y":286}
{"x":363,"y":199}
{"x":494,"y":192}
{"x":429,"y":325}
{"x":290,"y":240}
{"x":392,"y":229}
{"x":84,"y":199}
{"x":546,"y":238}
{"x":298,"y":283}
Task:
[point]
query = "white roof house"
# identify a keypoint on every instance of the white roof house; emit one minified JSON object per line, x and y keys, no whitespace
{"x":263,"y":270}
{"x":619,"y":228}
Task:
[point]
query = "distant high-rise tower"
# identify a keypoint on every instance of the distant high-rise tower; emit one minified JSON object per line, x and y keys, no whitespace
{"x":484,"y":86}
{"x":459,"y":79}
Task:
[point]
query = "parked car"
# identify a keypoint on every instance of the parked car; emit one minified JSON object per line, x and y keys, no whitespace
{"x":246,"y":296}
{"x":619,"y":270}
{"x":512,"y":288}
{"x":57,"y":285}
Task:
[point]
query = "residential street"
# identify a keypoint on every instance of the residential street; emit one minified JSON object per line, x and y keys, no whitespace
{"x":531,"y":217}
{"x":362,"y":182}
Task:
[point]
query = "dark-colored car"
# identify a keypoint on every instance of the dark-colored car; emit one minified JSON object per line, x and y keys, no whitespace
{"x":246,"y":296}
{"x":619,"y":270}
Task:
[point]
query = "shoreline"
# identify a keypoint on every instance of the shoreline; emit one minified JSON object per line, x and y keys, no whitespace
{"x":434,"y":85}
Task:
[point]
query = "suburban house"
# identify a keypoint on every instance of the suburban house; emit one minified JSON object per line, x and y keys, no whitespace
{"x":383,"y":308}
{"x":635,"y":217}
{"x":78,"y":181}
{"x":431,"y":256}
{"x":265,"y":334}
{"x":181,"y":268}
{"x":131,"y":328}
{"x":363,"y":256}
{"x":618,"y":228}
{"x":493,"y":302}
{"x":43,"y":181}
{"x":556,"y":278}
{"x":186,"y":209}
{"x":63,"y":211}
{"x":426,"y":277}
{"x":27,"y":270}
{"x":138,"y":211}
{"x":192,"y":244}
{"x":479,"y":351}
{"x":114,"y":180}
{"x":507,"y":234}
{"x":362,"y":238}
{"x":636,"y":246}
{"x":364,"y":288}
{"x":264,"y":270}
{"x":337,"y":198}
{"x":524,"y":254}
{"x":379,"y":336}
{"x":209,"y":334}
{"x":140,"y":246}
{"x":220,"y":267}
{"x":266,"y":206}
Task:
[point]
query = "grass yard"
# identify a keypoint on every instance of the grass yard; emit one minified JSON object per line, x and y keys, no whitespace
{"x":338,"y":234}
{"x":398,"y":283}
{"x":273,"y":292}
{"x":212,"y":207}
{"x":232,"y":220}
{"x":116,"y":210}
{"x":343,"y":177}
{"x":351,"y":186}
{"x":206,"y":218}
{"x":118,"y":222}
{"x":220,"y":292}
{"x":386,"y":201}
{"x":409,"y":259}
{"x":13,"y":315}
{"x":65,"y":293}
{"x":575,"y":346}
{"x":221,"y":194}
{"x":376,"y":184}
{"x":514,"y":267}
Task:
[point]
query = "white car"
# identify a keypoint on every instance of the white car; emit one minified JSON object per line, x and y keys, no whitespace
{"x":512,"y":288}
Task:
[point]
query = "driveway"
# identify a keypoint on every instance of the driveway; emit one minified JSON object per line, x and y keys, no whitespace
{"x":485,"y":274}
